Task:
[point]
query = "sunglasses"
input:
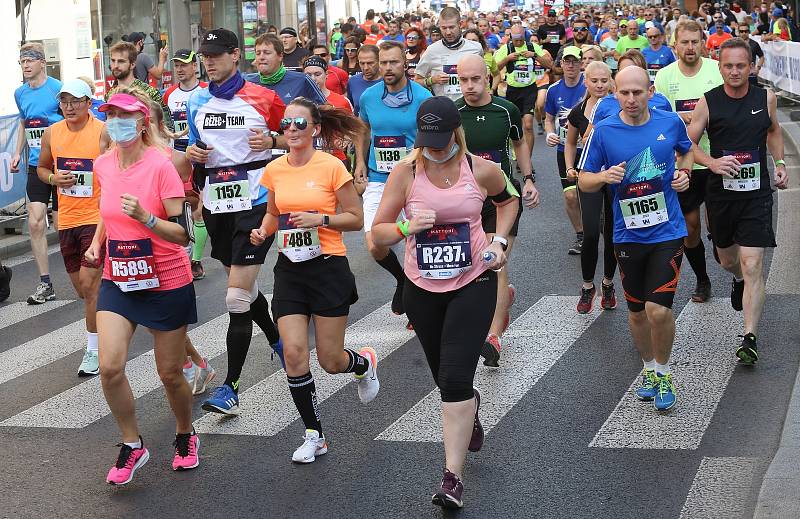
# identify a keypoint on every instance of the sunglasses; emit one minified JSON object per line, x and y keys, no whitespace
{"x":653,"y":37}
{"x":350,"y":50}
{"x":322,"y":55}
{"x":581,"y":29}
{"x":299,"y":122}
{"x":412,"y":37}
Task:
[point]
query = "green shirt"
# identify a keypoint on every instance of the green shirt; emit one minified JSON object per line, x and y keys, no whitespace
{"x":625,"y":43}
{"x":522,"y":74}
{"x":153,"y":94}
{"x":684,"y":92}
{"x":490,"y":128}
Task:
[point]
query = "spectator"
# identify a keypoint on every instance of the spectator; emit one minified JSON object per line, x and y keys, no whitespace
{"x":144,"y":63}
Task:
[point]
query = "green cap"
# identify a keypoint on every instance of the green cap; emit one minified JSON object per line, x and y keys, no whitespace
{"x":573,"y":51}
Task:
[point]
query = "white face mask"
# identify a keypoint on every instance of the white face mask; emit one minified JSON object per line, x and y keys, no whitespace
{"x":452,"y":153}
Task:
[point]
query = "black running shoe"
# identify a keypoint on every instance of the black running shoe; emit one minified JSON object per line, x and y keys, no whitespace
{"x":748,"y":352}
{"x":397,"y":301}
{"x":702,"y":291}
{"x":5,"y":283}
{"x":737,"y":291}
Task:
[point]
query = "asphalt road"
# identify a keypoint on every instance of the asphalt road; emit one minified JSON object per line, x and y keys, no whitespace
{"x":566,"y":438}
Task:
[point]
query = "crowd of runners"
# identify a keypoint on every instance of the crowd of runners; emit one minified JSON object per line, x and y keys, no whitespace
{"x":417,"y":129}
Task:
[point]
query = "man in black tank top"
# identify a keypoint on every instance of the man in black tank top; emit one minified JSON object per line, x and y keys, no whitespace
{"x":742,"y":127}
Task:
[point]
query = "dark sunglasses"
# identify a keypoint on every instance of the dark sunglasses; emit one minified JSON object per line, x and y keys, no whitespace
{"x":322,"y":55}
{"x":653,"y":37}
{"x":299,"y":122}
{"x":581,"y":29}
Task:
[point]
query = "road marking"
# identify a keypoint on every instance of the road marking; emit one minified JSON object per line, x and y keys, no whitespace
{"x":702,"y":361}
{"x":266,"y":408}
{"x":42,"y":350}
{"x":18,"y":260}
{"x":535,"y":342}
{"x":85,"y":402}
{"x":18,"y":312}
{"x":720,"y":488}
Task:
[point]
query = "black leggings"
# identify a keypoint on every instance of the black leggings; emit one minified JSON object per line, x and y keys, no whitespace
{"x":592,"y":205}
{"x":452,"y":328}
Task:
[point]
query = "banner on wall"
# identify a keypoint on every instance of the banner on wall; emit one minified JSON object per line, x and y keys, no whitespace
{"x":781,"y":64}
{"x":12,"y":185}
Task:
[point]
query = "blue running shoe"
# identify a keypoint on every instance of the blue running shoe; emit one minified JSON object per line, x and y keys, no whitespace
{"x":223,"y":400}
{"x":665,"y":396}
{"x":647,"y":391}
{"x":278,"y":348}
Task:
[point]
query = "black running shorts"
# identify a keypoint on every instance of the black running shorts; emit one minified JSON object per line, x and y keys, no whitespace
{"x":230,"y":236}
{"x":746,"y":222}
{"x":523,"y":98}
{"x":649,"y":272}
{"x":694,"y":197}
{"x":39,"y":191}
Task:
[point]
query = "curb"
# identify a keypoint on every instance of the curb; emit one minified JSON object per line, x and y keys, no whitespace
{"x":779,"y":496}
{"x":21,"y":244}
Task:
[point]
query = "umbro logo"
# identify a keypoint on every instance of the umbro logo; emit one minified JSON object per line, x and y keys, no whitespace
{"x":430,"y":118}
{"x":661,"y":137}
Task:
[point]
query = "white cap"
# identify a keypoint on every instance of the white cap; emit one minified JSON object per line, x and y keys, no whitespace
{"x":77,"y":88}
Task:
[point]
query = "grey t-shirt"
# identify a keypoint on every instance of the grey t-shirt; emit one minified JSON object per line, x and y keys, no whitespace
{"x":439,"y":59}
{"x":143,"y":64}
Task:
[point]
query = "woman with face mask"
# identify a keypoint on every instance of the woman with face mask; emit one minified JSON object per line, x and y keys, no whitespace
{"x":147,"y":279}
{"x":450,"y":288}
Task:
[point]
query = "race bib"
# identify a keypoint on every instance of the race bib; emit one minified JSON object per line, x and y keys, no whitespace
{"x":179,"y":119}
{"x":685,"y":105}
{"x":34,"y":129}
{"x":228,"y":190}
{"x":522,"y":74}
{"x":553,"y":37}
{"x":444,"y":251}
{"x":643,"y":204}
{"x":652,"y":70}
{"x":81,"y":169}
{"x":133,"y":266}
{"x":389,"y":150}
{"x":539,"y":73}
{"x":297,"y":244}
{"x":452,"y":87}
{"x":749,"y":176}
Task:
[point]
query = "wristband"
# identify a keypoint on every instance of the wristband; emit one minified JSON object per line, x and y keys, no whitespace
{"x":402,"y":227}
{"x":151,"y":222}
{"x":687,"y":171}
{"x":780,"y":162}
{"x":531,"y":177}
{"x":501,"y":240}
{"x":50,"y":179}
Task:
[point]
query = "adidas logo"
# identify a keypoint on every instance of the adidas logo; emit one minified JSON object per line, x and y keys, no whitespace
{"x":661,"y":137}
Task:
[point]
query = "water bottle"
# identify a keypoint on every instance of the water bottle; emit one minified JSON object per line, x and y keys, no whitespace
{"x":489,"y":257}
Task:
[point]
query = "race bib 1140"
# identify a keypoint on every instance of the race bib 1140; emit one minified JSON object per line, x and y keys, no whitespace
{"x":34,"y":129}
{"x":452,"y":87}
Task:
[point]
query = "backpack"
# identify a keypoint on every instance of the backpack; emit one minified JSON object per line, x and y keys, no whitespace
{"x":510,"y":47}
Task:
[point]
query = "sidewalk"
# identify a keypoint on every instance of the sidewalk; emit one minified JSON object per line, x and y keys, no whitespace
{"x":780,"y":490}
{"x":15,"y":244}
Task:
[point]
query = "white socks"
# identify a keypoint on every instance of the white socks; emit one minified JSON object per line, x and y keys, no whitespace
{"x":91,"y":342}
{"x":134,"y":445}
{"x":662,"y":369}
{"x":650,"y":364}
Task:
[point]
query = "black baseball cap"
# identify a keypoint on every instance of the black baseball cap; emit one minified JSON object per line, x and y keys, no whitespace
{"x":437,"y":117}
{"x":551,"y":12}
{"x":436,"y":30}
{"x":136,"y":36}
{"x":219,"y":41}
{"x":288,"y":30}
{"x":183,"y":55}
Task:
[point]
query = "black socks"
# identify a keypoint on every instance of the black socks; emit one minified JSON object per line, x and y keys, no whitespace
{"x":304,"y":394}
{"x":392,"y":265}
{"x":240,"y":331}
{"x":260,"y":311}
{"x":358,"y":363}
{"x":697,"y":259}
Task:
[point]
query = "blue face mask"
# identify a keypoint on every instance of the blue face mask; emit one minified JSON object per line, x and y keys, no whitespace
{"x":122,"y":131}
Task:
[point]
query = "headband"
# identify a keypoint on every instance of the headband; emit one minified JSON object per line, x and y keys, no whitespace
{"x":316,"y":61}
{"x":31,"y":54}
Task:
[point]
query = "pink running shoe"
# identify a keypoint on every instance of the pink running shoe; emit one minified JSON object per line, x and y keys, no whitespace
{"x":128,"y":462}
{"x":186,"y":451}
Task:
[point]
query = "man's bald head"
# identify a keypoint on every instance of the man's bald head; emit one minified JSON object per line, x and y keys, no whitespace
{"x":632,"y":75}
{"x":471,"y":64}
{"x":517,"y":30}
{"x":633,"y":92}
{"x":473,"y":76}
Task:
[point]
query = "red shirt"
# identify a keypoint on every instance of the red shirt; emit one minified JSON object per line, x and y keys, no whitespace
{"x":715,"y":41}
{"x":337,"y":80}
{"x":339,"y":101}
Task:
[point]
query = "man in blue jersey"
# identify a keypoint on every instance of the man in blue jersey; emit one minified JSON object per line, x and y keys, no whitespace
{"x":561,"y":97}
{"x":273,"y":74}
{"x":230,"y":140}
{"x":389,"y":110}
{"x":634,"y":152}
{"x":37,"y":103}
{"x":657,"y":55}
{"x":370,"y":75}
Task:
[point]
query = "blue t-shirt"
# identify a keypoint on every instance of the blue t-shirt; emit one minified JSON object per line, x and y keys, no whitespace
{"x":609,"y":106}
{"x":657,"y":59}
{"x":294,"y":84}
{"x":492,"y":41}
{"x":646,"y":208}
{"x":560,"y":100}
{"x":95,"y":108}
{"x":356,"y":86}
{"x":392,"y":129}
{"x":38,"y":108}
{"x":398,"y":37}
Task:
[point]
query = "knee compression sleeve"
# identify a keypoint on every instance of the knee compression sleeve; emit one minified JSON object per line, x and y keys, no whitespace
{"x":238,"y":300}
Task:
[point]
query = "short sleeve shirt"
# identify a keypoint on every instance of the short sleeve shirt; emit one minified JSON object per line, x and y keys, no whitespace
{"x":559,"y":101}
{"x":438,"y":59}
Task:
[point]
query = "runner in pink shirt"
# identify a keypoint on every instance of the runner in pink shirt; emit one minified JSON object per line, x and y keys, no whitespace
{"x":146,"y":279}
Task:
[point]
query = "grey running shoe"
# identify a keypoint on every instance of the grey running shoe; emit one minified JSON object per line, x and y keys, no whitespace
{"x":90,"y":365}
{"x":44,"y":292}
{"x":202,"y":377}
{"x":576,"y":247}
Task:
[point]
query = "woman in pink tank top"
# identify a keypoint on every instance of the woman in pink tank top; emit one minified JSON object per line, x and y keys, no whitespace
{"x":450,"y":290}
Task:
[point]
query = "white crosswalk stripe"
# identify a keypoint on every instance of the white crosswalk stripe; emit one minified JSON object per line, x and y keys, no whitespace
{"x":266,"y":408}
{"x":18,"y":260}
{"x":702,"y":361}
{"x":18,"y":312}
{"x":42,"y":350}
{"x":720,"y":488}
{"x":85,"y":402}
{"x":534,"y":343}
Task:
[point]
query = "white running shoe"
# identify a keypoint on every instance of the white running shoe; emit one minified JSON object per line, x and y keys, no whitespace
{"x":202,"y":377}
{"x":312,"y":447}
{"x":188,"y":374}
{"x":90,"y":365}
{"x":368,"y":383}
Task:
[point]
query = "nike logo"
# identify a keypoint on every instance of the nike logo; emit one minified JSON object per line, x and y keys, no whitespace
{"x":754,"y":112}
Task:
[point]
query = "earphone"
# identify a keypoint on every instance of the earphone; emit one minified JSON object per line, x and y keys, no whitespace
{"x":314,"y":133}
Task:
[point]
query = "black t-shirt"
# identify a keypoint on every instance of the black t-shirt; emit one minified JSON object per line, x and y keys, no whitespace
{"x":547,"y":36}
{"x":578,"y":119}
{"x":755,"y":50}
{"x":292,"y":61}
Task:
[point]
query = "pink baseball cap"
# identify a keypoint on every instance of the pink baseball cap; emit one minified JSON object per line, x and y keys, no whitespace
{"x":127,"y":103}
